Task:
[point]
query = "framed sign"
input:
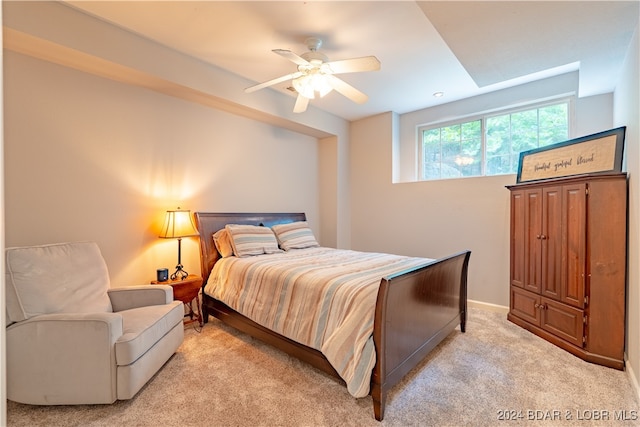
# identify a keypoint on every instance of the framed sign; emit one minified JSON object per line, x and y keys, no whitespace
{"x":597,"y":153}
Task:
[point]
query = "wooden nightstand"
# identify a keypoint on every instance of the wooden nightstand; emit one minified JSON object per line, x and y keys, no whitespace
{"x":186,"y":291}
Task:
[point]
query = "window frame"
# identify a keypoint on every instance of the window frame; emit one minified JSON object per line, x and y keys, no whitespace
{"x":483,"y":116}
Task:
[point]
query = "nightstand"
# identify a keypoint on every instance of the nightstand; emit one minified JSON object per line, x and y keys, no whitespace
{"x":186,"y":290}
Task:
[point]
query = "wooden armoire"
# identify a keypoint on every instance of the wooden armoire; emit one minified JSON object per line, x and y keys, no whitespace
{"x":569,"y":263}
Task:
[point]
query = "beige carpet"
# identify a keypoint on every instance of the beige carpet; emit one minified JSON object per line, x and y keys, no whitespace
{"x":220,"y":377}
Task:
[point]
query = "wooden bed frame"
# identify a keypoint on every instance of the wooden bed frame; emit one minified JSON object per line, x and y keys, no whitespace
{"x":415,"y":310}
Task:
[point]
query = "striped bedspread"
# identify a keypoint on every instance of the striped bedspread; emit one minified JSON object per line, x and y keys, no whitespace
{"x":321,"y":297}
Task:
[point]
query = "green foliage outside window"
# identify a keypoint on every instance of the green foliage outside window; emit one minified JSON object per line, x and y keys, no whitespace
{"x":463,"y":149}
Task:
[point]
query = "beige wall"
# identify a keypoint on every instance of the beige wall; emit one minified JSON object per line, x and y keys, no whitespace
{"x":59,"y":34}
{"x":129,"y":136}
{"x":627,"y":113}
{"x":433,"y":218}
{"x":429,"y":219}
{"x":87,"y":158}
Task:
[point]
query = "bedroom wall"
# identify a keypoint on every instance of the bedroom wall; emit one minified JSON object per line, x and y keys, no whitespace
{"x":434,"y":218}
{"x":87,"y":158}
{"x":627,"y":113}
{"x":429,"y":219}
{"x":186,"y":145}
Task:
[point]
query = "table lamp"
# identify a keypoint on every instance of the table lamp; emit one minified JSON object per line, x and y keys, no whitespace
{"x":178,"y":224}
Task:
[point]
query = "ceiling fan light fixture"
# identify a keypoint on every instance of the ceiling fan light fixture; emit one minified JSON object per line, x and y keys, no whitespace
{"x":311,"y":84}
{"x":316,"y":75}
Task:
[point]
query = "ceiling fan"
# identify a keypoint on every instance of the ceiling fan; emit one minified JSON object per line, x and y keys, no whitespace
{"x":316,"y":75}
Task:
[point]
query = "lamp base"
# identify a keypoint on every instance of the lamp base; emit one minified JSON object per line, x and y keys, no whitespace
{"x":179,"y":274}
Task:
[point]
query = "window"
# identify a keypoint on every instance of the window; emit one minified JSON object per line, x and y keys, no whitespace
{"x":490,"y":144}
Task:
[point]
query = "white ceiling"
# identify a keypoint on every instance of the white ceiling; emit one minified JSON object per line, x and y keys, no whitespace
{"x":460,"y":48}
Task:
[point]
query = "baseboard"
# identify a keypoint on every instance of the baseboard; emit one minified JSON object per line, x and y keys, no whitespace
{"x":488,"y":306}
{"x":633,"y":378}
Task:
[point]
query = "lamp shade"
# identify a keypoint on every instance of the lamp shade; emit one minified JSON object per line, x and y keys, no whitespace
{"x":178,"y":224}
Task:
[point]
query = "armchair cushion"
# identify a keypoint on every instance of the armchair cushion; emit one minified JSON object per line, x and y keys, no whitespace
{"x":143,"y":327}
{"x":56,"y":278}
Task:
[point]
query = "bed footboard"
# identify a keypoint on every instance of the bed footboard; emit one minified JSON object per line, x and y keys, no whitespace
{"x":415,"y":311}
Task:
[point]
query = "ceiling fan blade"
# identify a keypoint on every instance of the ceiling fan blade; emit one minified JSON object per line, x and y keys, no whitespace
{"x":296,"y":59}
{"x":273,"y":82}
{"x":301,"y":104}
{"x":354,"y":65}
{"x":346,"y":89}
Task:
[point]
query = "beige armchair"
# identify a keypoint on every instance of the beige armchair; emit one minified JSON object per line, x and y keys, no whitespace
{"x":73,"y":340}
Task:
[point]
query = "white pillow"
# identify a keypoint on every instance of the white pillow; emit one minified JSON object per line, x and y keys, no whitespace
{"x":295,"y":235}
{"x":248,"y":240}
{"x":57,"y":278}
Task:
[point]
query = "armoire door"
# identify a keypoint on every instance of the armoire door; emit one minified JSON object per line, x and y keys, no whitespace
{"x":551,"y":237}
{"x":532,"y":240}
{"x":574,"y":244}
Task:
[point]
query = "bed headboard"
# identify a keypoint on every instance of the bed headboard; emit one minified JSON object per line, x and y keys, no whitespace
{"x":210,"y":222}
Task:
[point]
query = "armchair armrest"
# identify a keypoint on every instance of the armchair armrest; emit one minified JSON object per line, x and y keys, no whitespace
{"x":50,"y":355}
{"x":129,"y":297}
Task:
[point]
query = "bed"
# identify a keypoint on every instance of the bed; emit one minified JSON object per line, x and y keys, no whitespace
{"x":415,"y":309}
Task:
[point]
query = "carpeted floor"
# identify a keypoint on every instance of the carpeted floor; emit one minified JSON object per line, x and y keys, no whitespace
{"x":494,"y":374}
